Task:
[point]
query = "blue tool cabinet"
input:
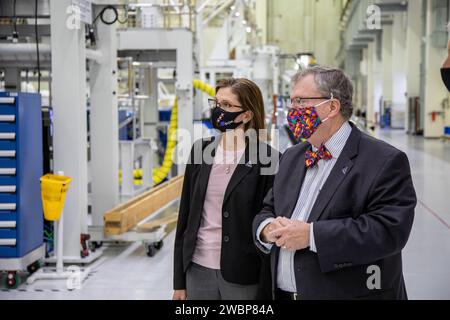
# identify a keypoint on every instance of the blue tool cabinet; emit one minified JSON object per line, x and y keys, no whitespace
{"x":21,"y":217}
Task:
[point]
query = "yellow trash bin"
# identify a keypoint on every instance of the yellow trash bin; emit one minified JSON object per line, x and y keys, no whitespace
{"x":53,"y":193}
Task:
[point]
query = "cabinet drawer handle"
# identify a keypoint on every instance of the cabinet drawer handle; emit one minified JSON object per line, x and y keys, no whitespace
{"x":8,"y":224}
{"x":7,"y":100}
{"x":7,"y":136}
{"x":8,"y":206}
{"x":7,"y":189}
{"x":8,"y":171}
{"x":7,"y":118}
{"x":7,"y":153}
{"x":8,"y":242}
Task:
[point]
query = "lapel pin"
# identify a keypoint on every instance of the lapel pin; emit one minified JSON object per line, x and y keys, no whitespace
{"x":345,"y":170}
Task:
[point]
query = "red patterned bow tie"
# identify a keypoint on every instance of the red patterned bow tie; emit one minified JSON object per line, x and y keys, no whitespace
{"x":312,"y":158}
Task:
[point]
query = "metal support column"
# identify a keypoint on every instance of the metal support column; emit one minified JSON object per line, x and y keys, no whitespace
{"x":70,"y":125}
{"x":127,"y":166}
{"x":399,"y":71}
{"x":150,"y":105}
{"x":104,"y":125}
{"x":413,"y":58}
{"x":387,"y":67}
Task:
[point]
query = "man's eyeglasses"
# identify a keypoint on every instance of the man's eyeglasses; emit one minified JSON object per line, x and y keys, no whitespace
{"x":213,"y":103}
{"x":307,"y":102}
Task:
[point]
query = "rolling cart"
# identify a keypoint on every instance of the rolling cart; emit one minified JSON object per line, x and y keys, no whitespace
{"x":30,"y":262}
{"x":152,"y":240}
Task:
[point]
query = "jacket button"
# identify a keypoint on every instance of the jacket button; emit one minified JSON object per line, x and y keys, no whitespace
{"x":226,"y":214}
{"x":226,"y":239}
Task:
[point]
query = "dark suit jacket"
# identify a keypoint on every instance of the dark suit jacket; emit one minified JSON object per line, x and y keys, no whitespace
{"x":362,"y":217}
{"x":240,"y":260}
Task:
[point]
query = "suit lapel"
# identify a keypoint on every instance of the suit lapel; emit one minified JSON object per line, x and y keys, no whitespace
{"x":295,"y":182}
{"x":340,"y":171}
{"x":205,"y":169}
{"x":337,"y":175}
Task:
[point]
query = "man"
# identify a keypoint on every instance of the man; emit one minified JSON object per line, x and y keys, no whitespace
{"x":342,"y":205}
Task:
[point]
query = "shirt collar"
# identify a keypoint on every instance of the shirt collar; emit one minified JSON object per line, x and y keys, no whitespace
{"x":337,"y":142}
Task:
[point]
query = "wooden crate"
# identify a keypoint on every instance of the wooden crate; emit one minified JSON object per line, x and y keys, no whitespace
{"x":127,"y":215}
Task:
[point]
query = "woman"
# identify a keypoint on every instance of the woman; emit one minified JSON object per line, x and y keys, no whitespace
{"x":224,"y":187}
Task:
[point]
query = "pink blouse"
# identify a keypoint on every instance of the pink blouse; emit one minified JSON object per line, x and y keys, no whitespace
{"x":209,"y":238}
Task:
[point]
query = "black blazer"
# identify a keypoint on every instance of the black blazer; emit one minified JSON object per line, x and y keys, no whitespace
{"x":240,"y":260}
{"x":362,"y":217}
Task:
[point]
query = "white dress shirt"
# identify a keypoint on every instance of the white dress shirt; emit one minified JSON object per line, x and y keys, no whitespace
{"x":314,"y":180}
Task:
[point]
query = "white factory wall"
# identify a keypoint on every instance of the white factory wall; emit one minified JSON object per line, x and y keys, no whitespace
{"x":399,"y":71}
{"x":305,"y":26}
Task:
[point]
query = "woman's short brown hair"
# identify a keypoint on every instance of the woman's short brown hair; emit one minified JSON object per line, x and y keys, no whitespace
{"x":250,"y":97}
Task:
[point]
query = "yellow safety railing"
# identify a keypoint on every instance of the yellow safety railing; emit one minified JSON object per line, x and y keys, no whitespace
{"x":159,"y":174}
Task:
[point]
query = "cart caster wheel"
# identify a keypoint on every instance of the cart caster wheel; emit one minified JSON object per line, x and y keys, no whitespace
{"x":32,"y":268}
{"x":151,"y":250}
{"x":13,"y":280}
{"x":84,"y":253}
{"x":94,"y":245}
{"x":158,"y":245}
{"x":98,"y":245}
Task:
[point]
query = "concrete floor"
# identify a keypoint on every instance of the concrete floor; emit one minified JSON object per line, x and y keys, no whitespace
{"x":125,"y":272}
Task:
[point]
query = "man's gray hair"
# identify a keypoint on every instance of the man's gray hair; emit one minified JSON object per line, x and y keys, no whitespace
{"x":331,"y":81}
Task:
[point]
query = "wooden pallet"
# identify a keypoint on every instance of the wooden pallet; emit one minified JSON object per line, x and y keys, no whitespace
{"x":127,"y":215}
